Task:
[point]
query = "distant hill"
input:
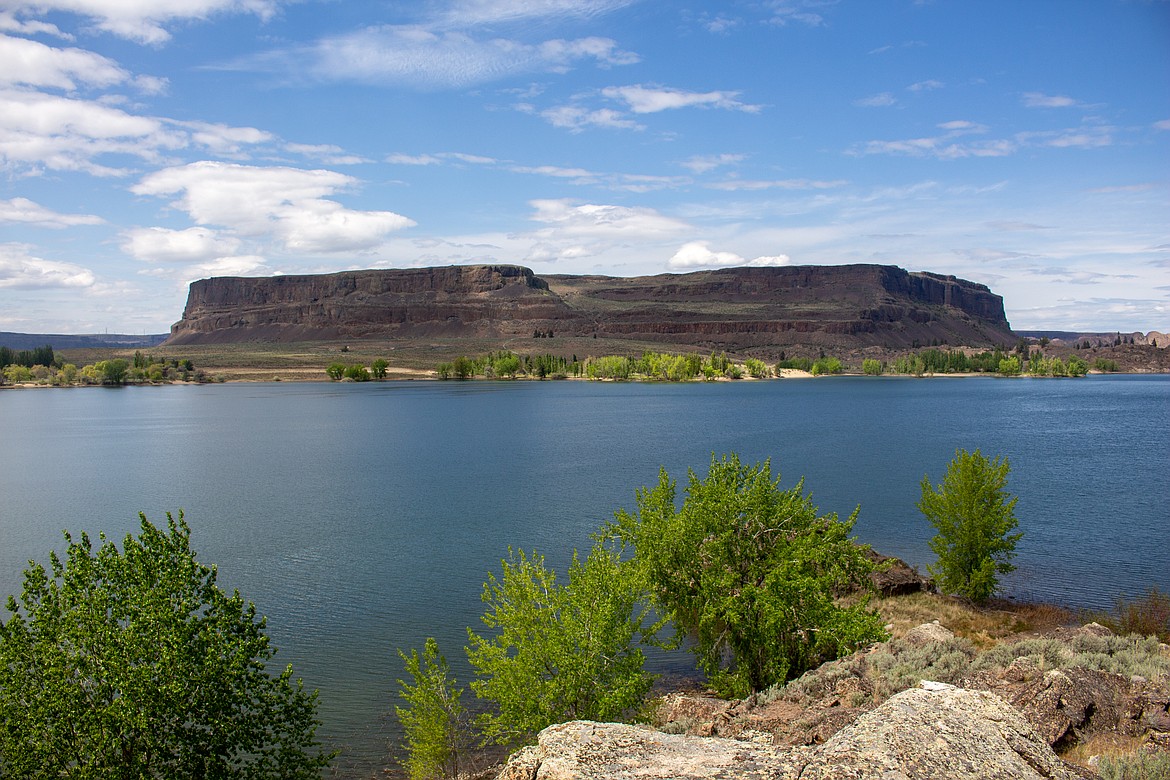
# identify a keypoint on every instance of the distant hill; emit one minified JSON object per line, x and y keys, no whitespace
{"x":1100,"y":339}
{"x":18,"y":341}
{"x":735,"y":309}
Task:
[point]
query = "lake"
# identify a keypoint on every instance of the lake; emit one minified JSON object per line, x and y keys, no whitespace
{"x":362,"y":518}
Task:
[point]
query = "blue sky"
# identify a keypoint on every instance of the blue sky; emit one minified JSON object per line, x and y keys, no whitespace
{"x":143,"y":145}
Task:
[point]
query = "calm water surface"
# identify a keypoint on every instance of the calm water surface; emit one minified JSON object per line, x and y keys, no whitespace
{"x":363,"y":517}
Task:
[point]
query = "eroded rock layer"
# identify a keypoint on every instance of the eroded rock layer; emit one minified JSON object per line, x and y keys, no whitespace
{"x":735,"y":308}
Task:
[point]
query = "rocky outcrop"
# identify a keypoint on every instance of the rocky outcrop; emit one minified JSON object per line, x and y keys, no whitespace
{"x":938,"y":731}
{"x":734,"y":309}
{"x":895,"y":577}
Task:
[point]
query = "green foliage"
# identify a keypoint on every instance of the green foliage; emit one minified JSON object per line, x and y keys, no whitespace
{"x":1105,"y":366}
{"x":357,"y":373}
{"x":974,"y":518}
{"x":434,"y":721}
{"x":378,"y":368}
{"x":798,"y":364}
{"x":1010,"y":366}
{"x":757,"y":368}
{"x":463,"y":368}
{"x":134,"y":664}
{"x":872,"y":367}
{"x":113,"y":372}
{"x":559,"y":652}
{"x":750,"y":572}
{"x":335,"y":371}
{"x":826,"y":365}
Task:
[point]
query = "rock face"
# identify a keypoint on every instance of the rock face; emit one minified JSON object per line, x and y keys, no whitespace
{"x":940,"y":732}
{"x":736,"y":308}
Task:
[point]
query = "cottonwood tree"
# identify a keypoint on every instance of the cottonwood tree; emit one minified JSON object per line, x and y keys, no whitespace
{"x":132,"y":663}
{"x":749,"y":572}
{"x":559,"y":652}
{"x":436,"y":729}
{"x":974,"y":516}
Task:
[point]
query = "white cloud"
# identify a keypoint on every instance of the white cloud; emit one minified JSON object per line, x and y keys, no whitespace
{"x":568,"y":218}
{"x":1162,"y":125}
{"x":476,"y":12}
{"x":926,"y":86}
{"x":58,"y":133}
{"x":329,"y":154}
{"x":428,"y":58}
{"x":162,"y":245}
{"x":31,"y":63}
{"x":880,"y":100}
{"x":753,"y":185}
{"x":1040,"y":100}
{"x":144,"y":22}
{"x":648,"y":100}
{"x":24,"y":211}
{"x":947,"y":146}
{"x":223,"y":139}
{"x":704,"y":163}
{"x":576,"y":118}
{"x":9,"y":23}
{"x":697,"y":254}
{"x":21,"y":270}
{"x":289,"y":205}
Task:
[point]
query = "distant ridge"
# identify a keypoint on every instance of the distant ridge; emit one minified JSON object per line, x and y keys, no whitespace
{"x":78,"y":341}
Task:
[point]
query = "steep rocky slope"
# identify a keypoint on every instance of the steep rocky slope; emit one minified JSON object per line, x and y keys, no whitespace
{"x":734,"y":309}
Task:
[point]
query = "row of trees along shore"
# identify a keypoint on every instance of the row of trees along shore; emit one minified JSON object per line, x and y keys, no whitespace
{"x":43,"y":366}
{"x":670,"y":367}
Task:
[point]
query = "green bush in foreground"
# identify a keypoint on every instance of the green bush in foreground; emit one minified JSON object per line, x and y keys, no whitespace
{"x":1138,"y":767}
{"x":559,"y":652}
{"x":749,"y":571}
{"x":434,"y":721}
{"x":132,"y":663}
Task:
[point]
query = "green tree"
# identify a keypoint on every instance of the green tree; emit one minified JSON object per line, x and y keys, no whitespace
{"x":434,"y":722}
{"x":134,"y":664}
{"x":463,"y":368}
{"x":974,"y":516}
{"x":357,"y":372}
{"x":113,"y":371}
{"x":335,"y":371}
{"x":872,"y":367}
{"x":378,"y":368}
{"x":559,"y":652}
{"x":749,"y":571}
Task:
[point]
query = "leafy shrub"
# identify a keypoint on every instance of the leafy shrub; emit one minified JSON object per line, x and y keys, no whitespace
{"x":1141,"y":766}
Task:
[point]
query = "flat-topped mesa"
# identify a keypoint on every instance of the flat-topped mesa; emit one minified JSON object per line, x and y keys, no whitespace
{"x":451,"y":300}
{"x":734,"y":308}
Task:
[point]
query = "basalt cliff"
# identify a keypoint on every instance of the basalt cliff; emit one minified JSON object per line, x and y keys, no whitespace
{"x":736,"y":309}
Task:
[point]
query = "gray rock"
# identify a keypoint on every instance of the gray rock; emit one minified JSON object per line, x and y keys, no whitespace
{"x":919,"y":734}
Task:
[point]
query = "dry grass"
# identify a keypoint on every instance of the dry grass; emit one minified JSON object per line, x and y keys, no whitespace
{"x":983,"y":626}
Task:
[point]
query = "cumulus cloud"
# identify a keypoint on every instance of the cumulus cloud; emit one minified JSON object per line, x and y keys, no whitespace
{"x":698,"y":254}
{"x":754,"y":185}
{"x":289,"y":205}
{"x":39,"y":130}
{"x":162,"y":245}
{"x":31,"y":63}
{"x":24,"y":211}
{"x":143,"y":22}
{"x":21,"y":270}
{"x":642,"y":99}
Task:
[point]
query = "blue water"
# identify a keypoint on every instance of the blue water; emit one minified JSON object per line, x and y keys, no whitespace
{"x":363,"y":517}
